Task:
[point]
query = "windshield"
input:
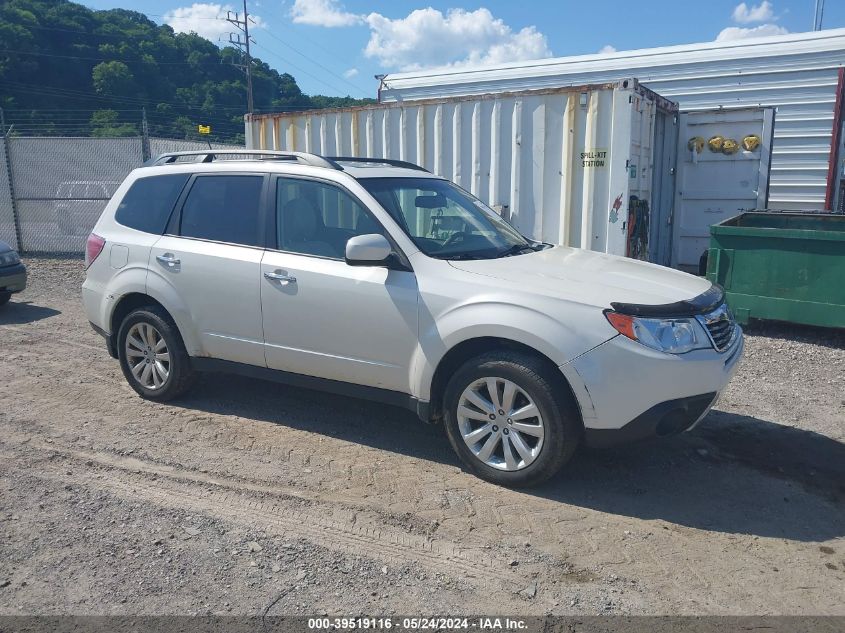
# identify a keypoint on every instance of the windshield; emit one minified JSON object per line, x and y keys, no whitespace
{"x":444,"y":221}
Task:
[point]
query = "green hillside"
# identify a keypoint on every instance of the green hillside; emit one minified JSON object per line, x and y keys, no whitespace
{"x":68,"y":70}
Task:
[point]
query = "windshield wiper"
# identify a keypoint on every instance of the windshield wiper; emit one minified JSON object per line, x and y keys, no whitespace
{"x":516,"y":249}
{"x":462,"y":256}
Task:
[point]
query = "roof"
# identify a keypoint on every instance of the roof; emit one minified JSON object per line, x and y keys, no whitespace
{"x":478,"y":79}
{"x":282,"y":162}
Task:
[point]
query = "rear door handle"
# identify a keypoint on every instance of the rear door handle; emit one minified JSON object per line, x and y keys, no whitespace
{"x":281,"y":277}
{"x":169,"y":259}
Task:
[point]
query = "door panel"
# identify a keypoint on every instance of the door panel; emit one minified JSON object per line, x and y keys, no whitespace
{"x":219,"y":285}
{"x":714,"y":186}
{"x":355,"y":324}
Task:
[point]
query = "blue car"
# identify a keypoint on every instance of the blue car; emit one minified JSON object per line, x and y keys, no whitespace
{"x":12,"y":273}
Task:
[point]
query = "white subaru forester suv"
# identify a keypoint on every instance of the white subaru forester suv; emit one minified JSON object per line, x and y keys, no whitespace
{"x":377,"y":279}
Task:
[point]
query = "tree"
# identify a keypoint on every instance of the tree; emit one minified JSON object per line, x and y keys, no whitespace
{"x":67,"y":68}
{"x":105,"y":123}
{"x":113,"y":78}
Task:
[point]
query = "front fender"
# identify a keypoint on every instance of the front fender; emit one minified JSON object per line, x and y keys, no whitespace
{"x":555,"y":338}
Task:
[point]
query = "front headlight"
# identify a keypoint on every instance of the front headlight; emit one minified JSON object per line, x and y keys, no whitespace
{"x":9,"y":258}
{"x":670,"y":335}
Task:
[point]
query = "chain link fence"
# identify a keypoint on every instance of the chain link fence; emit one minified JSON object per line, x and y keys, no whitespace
{"x":8,"y":227}
{"x":53,"y":189}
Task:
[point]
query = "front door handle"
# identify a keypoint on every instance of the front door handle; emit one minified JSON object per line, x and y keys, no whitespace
{"x":281,"y":277}
{"x":168,"y":259}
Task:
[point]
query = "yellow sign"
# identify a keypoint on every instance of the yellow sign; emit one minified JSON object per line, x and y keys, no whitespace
{"x":204,"y":129}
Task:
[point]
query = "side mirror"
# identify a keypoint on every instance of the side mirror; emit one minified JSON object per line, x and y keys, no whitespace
{"x":368,"y":250}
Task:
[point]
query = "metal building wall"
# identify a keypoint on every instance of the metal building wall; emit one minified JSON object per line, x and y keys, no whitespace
{"x":797,"y":74}
{"x":521,"y":151}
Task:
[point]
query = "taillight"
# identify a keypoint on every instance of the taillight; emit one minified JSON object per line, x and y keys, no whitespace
{"x":93,"y":248}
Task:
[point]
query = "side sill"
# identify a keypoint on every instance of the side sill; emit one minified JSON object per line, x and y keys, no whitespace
{"x":374,"y":394}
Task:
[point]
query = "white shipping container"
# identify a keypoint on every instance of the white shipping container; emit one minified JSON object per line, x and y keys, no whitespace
{"x":561,"y":164}
{"x":801,"y":75}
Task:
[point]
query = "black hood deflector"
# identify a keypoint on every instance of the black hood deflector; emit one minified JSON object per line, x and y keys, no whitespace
{"x":702,"y":304}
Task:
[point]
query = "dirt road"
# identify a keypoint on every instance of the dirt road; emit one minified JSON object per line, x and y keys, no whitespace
{"x":248,"y":497}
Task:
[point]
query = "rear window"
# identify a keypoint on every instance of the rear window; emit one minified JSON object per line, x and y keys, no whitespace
{"x":149,"y":201}
{"x":224,"y":209}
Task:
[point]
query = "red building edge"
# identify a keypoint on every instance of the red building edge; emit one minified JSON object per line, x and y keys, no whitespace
{"x":833,"y":162}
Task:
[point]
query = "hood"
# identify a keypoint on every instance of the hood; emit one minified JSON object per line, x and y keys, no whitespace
{"x":590,"y":278}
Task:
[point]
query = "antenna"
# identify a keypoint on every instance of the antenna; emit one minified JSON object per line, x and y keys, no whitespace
{"x":818,"y":17}
{"x":242,"y":43}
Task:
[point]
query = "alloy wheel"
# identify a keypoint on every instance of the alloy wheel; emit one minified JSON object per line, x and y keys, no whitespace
{"x":147,"y":356}
{"x":500,"y":423}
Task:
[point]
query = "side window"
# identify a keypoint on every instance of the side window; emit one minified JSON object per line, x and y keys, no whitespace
{"x":149,"y":201}
{"x":224,"y":209}
{"x":315,"y":218}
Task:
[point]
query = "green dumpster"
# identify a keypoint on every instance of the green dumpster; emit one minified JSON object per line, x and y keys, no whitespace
{"x":781,"y":266}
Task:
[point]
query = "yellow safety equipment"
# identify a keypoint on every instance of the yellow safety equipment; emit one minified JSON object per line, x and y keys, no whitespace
{"x":730,"y":146}
{"x":715,"y":143}
{"x":750,"y":142}
{"x":696,"y":143}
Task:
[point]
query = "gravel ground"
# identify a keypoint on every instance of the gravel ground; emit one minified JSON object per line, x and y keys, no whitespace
{"x":249,"y":498}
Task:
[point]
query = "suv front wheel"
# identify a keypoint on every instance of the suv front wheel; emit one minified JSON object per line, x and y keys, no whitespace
{"x":152,"y":355}
{"x":509,"y":420}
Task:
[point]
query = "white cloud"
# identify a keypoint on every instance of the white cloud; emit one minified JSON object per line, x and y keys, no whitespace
{"x":607,"y":48}
{"x":350,"y":73}
{"x":205,"y":19}
{"x":737,"y":33}
{"x":763,"y":12}
{"x":427,"y":38}
{"x":328,"y":13}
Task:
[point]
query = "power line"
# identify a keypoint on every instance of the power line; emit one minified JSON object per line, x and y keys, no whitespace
{"x":152,"y":62}
{"x":50,"y":91}
{"x":89,"y":33}
{"x":313,"y":61}
{"x":302,"y":70}
{"x":292,"y":33}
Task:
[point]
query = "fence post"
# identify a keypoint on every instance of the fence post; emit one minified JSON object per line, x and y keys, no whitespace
{"x":8,"y":155}
{"x":145,"y":137}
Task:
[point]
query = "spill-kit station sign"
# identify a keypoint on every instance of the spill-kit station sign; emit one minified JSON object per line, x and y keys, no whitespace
{"x":594,"y":158}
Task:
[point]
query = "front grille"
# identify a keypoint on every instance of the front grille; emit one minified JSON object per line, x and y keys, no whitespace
{"x":720,"y":326}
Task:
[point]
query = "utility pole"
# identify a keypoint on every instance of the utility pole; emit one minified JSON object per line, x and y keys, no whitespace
{"x":818,"y":16}
{"x":243,"y":44}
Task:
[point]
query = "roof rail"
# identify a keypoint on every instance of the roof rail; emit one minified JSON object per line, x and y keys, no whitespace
{"x":382,"y":161}
{"x":211,"y":155}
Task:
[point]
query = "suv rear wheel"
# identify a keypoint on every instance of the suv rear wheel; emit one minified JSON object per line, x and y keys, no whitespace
{"x":508,"y":421}
{"x":152,"y":355}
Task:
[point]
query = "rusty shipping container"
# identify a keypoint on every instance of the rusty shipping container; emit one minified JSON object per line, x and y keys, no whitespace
{"x":589,"y":166}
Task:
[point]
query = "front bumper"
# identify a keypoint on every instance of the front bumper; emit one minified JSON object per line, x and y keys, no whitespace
{"x":13,"y":278}
{"x":661,"y":420}
{"x":627,"y":391}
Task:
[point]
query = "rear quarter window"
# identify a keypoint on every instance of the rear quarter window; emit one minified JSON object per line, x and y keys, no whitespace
{"x":150,"y":200}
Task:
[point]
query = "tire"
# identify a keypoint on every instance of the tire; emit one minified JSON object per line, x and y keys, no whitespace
{"x":4,"y":298}
{"x":180,"y":376}
{"x":558,"y":417}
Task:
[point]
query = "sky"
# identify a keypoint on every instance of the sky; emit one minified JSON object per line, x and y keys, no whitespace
{"x":336,"y":47}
